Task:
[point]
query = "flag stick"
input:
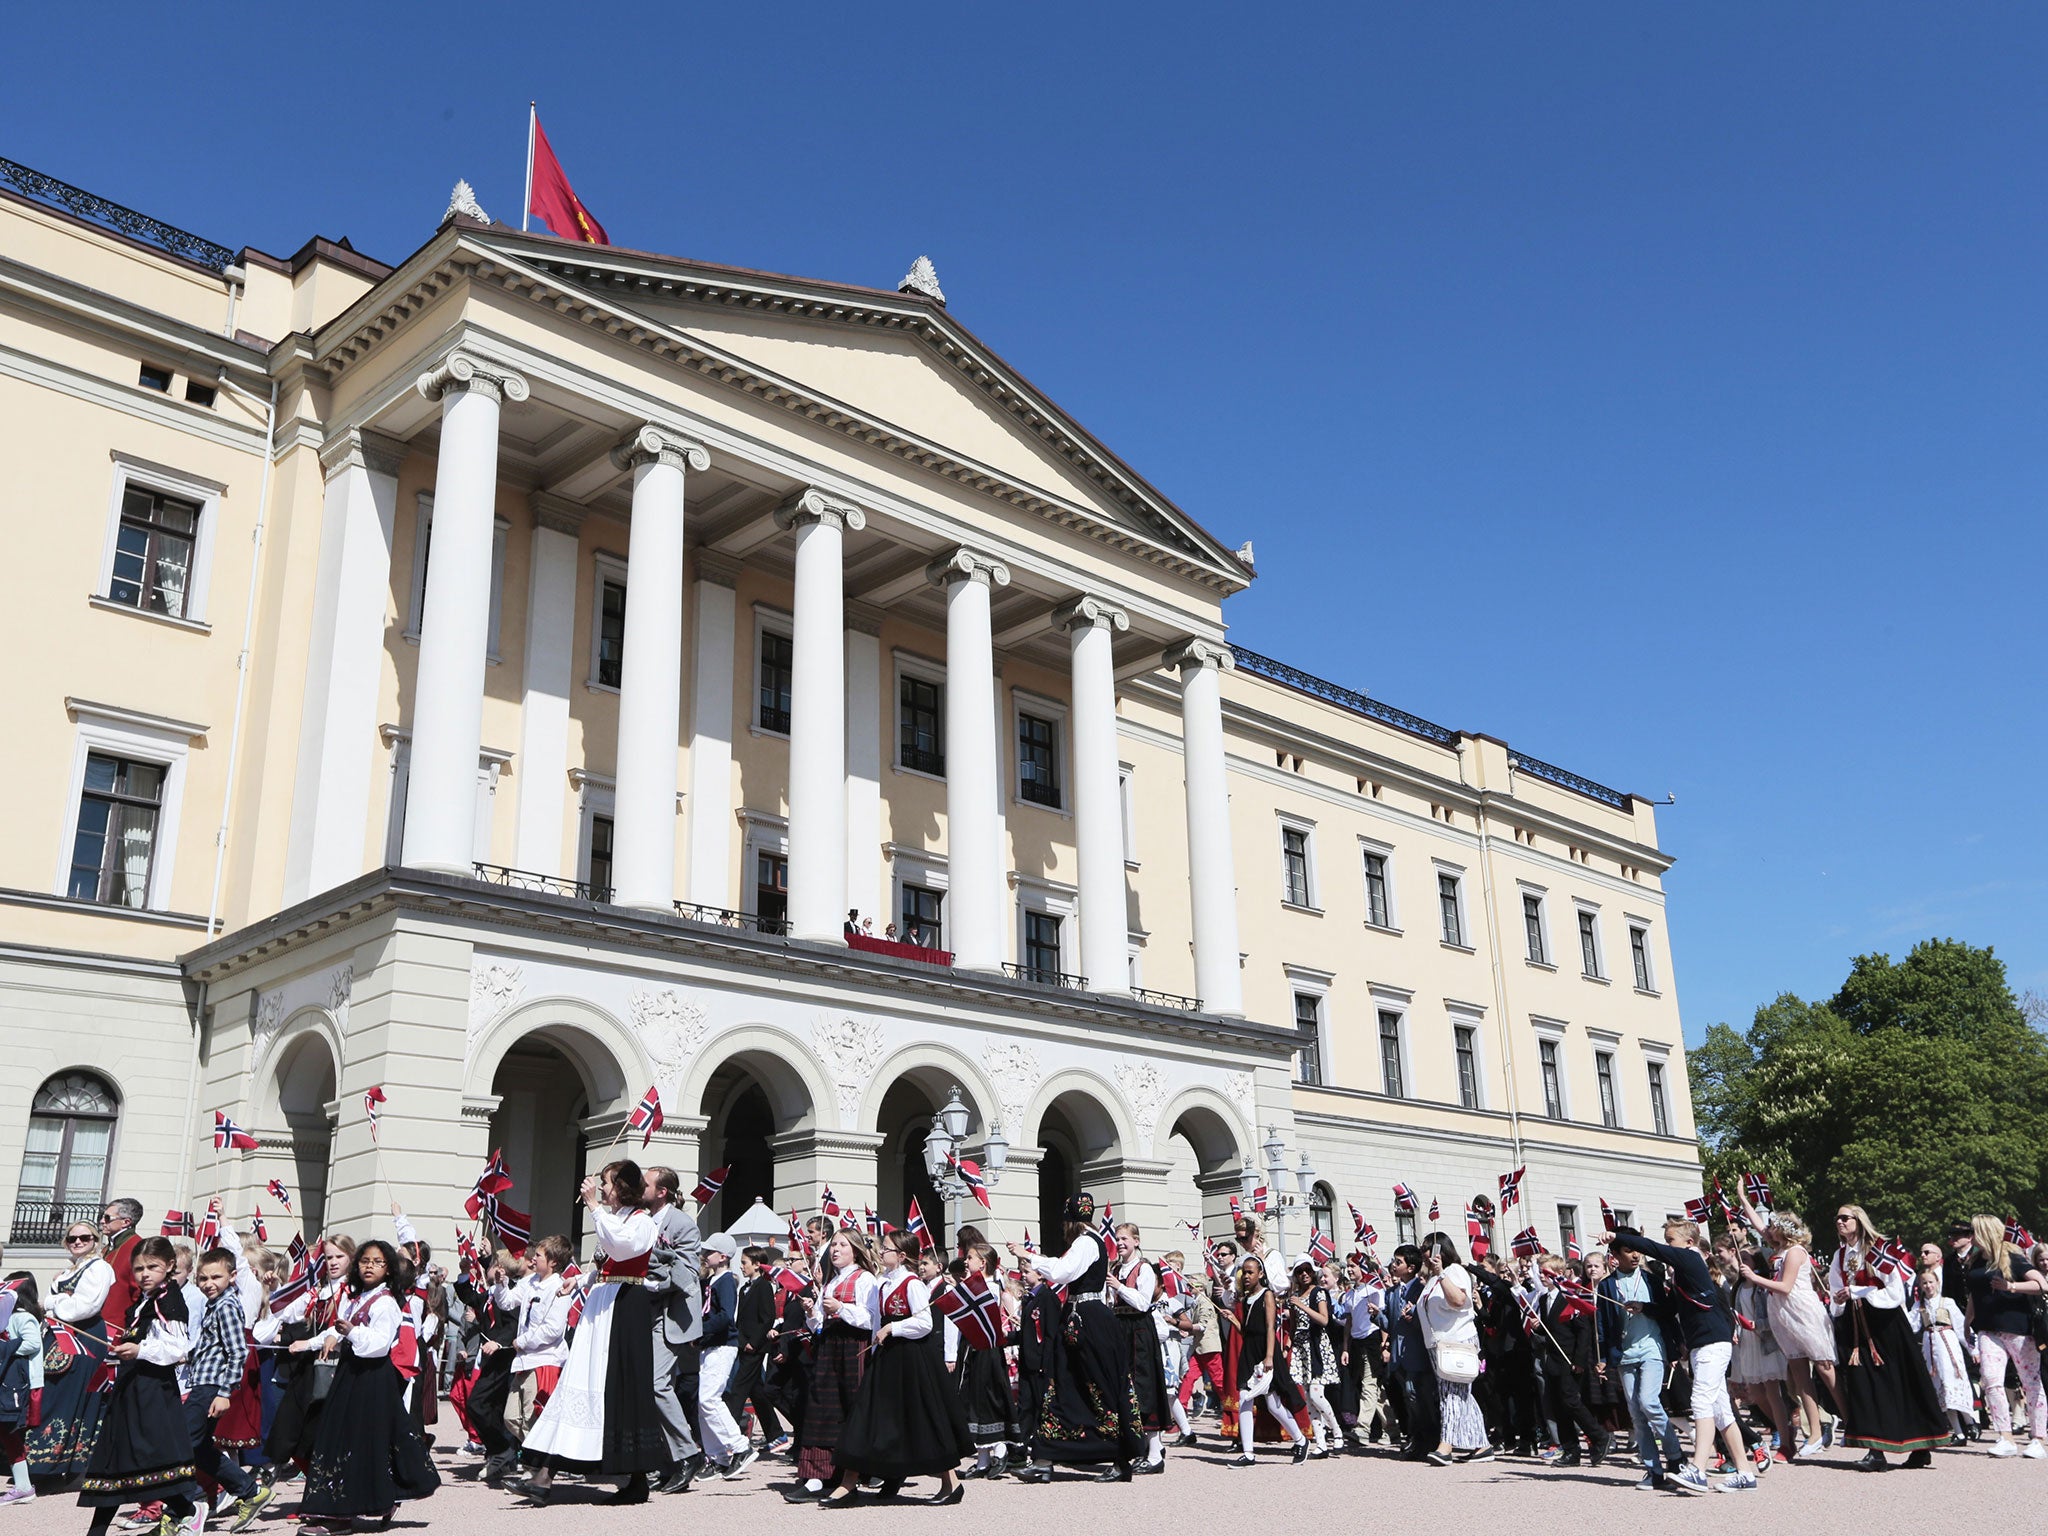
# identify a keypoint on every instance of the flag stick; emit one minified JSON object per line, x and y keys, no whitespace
{"x":532,"y":117}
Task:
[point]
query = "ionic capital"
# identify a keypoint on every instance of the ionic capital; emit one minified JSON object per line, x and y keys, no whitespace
{"x":963,"y":564}
{"x":651,"y":444}
{"x":1195,"y":654}
{"x":815,"y":506}
{"x":461,"y":371}
{"x":1090,"y":613}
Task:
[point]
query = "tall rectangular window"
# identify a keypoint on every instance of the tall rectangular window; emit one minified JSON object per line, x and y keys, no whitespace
{"x":1553,"y":1079}
{"x":1294,"y":865}
{"x":118,"y":809}
{"x":611,"y":633}
{"x":1038,"y":760}
{"x":922,"y":919}
{"x":1041,"y":946}
{"x":1378,"y":911}
{"x":923,"y":744}
{"x":771,"y":892}
{"x":1465,"y":1039}
{"x":1567,"y":1228}
{"x":1532,"y":927}
{"x":153,"y":551}
{"x":1447,"y":905}
{"x":778,"y":656}
{"x":1639,"y":953}
{"x":1589,"y":944}
{"x":1603,"y":1069}
{"x":1390,"y":1054}
{"x":1404,"y":1227}
{"x":600,"y":858}
{"x":1660,"y":1111}
{"x":1308,"y":1015}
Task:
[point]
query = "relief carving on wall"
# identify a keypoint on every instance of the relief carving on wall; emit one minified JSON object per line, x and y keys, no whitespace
{"x":1145,"y":1091}
{"x":853,"y":1049}
{"x":1245,"y":1097}
{"x":1014,"y":1073}
{"x":672,"y":1027}
{"x":494,"y":987}
{"x":341,"y":983}
{"x":264,"y":1027}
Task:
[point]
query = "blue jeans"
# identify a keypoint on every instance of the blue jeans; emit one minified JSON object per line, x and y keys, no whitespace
{"x":1642,"y":1382}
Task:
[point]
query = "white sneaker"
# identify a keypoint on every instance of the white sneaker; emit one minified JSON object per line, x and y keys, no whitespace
{"x":2003,"y":1448}
{"x":195,"y":1525}
{"x":1808,"y":1451}
{"x":1736,"y":1482}
{"x":2035,"y":1450}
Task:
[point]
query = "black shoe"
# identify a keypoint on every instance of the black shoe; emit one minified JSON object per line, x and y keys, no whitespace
{"x":1120,"y":1473}
{"x":953,"y":1495}
{"x":679,"y":1480}
{"x":1920,"y":1459}
{"x":801,"y":1495}
{"x":532,"y":1493}
{"x":1149,"y":1468}
{"x":1873,"y":1461}
{"x":889,"y":1488}
{"x":1030,"y":1474}
{"x":1242,"y":1460}
{"x":1300,"y":1452}
{"x":634,"y":1492}
{"x":1597,"y":1452}
{"x":1573,"y":1460}
{"x":972,"y":1472}
{"x":741,"y":1461}
{"x":839,"y":1500}
{"x":1183,"y":1441}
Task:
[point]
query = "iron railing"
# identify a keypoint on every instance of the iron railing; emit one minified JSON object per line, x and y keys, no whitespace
{"x":1039,"y":792}
{"x":1046,"y":976}
{"x":1167,"y":1000}
{"x":1343,"y":698}
{"x":1564,"y":778}
{"x":924,"y":760}
{"x":40,"y":1223}
{"x":726,"y":917}
{"x":108,"y":214}
{"x":533,"y":880}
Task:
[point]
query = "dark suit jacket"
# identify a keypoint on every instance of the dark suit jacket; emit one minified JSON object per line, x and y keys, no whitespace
{"x":755,"y":1314}
{"x":1408,"y":1354}
{"x":672,"y":1276}
{"x":1564,"y":1343}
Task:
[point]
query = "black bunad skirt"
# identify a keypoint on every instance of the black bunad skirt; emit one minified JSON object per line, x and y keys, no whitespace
{"x":836,"y":1366}
{"x":1888,"y":1399}
{"x":367,"y":1453}
{"x":297,"y":1421}
{"x":632,"y":1441}
{"x":1148,"y":1368}
{"x":905,"y":1420}
{"x":982,"y":1379}
{"x":61,"y":1447}
{"x":1087,"y":1411}
{"x":144,"y":1451}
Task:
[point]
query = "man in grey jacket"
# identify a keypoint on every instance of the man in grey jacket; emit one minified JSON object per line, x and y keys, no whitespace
{"x":676,"y":1290}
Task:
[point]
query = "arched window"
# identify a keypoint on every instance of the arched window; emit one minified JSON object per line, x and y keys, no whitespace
{"x":64,"y":1166}
{"x":1322,"y":1202}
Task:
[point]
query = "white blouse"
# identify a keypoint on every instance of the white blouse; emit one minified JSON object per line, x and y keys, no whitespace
{"x":373,"y":1323}
{"x":166,"y":1343}
{"x":624,"y":1234}
{"x":1071,"y":1265}
{"x":1140,"y":1295}
{"x":85,"y":1299}
{"x":1889,"y":1291}
{"x":862,"y":1311}
{"x":919,"y":1323}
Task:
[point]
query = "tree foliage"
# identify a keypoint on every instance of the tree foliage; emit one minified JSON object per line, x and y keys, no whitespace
{"x":1920,"y":1091}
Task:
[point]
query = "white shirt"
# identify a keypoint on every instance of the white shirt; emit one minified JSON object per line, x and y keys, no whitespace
{"x":624,"y":1234}
{"x":1441,"y":1320}
{"x":1144,"y":1286}
{"x":1071,"y":1265}
{"x":86,"y":1298}
{"x":166,"y":1343}
{"x":543,"y":1308}
{"x":919,"y":1323}
{"x":373,"y":1320}
{"x":858,"y":1313}
{"x":1360,"y":1302}
{"x":1889,"y":1291}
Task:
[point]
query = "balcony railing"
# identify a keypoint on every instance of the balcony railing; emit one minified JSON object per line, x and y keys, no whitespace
{"x":924,"y":760}
{"x":42,"y":1223}
{"x":108,"y":214}
{"x":1040,"y":792}
{"x":1046,"y":976}
{"x":1564,"y":778}
{"x":533,"y":880}
{"x":726,"y":917}
{"x":1167,"y":1000}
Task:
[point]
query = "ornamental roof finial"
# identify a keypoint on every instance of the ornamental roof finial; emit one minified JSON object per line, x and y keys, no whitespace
{"x":922,"y":278}
{"x":463,"y":201}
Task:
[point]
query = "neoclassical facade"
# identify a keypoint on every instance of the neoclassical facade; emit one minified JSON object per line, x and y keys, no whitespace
{"x":533,"y":672}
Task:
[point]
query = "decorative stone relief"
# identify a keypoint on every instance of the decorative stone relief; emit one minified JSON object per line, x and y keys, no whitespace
{"x":1145,"y":1091}
{"x":922,"y":278}
{"x":672,"y":1027}
{"x":853,"y":1049}
{"x":493,"y":988}
{"x":269,"y":1019}
{"x":341,"y":983}
{"x":463,"y":200}
{"x":1014,"y":1072}
{"x":1245,"y":1097}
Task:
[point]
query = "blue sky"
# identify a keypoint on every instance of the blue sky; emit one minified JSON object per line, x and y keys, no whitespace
{"x":1658,"y":388}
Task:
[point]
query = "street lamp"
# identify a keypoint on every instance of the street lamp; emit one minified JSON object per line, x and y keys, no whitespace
{"x":943,"y":1144}
{"x":1276,"y":1164}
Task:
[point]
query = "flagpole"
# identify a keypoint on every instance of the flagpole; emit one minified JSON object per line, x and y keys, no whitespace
{"x":526,"y":204}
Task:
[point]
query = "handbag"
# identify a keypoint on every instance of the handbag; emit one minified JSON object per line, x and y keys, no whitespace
{"x":323,"y":1379}
{"x":1455,"y":1360}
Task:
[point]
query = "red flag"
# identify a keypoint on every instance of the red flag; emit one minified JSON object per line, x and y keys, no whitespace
{"x":371,"y":1100}
{"x":554,"y":202}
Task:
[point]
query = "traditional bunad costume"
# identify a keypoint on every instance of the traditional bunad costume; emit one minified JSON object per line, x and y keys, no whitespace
{"x":905,"y":1419}
{"x":143,"y":1451}
{"x":1087,"y":1411}
{"x":837,"y":1357}
{"x":367,"y":1451}
{"x":1888,"y":1399}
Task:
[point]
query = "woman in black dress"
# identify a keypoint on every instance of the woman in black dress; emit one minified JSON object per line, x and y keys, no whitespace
{"x":1888,"y":1401}
{"x":367,"y":1451}
{"x":296,"y":1418}
{"x":144,"y":1451}
{"x":905,"y":1420}
{"x":981,"y":1373}
{"x":842,"y":1321}
{"x":1263,"y":1371}
{"x":1311,"y":1361}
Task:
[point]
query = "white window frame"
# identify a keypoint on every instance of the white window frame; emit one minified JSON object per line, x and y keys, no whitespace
{"x":501,"y":531}
{"x":491,"y":763}
{"x":172,"y":482}
{"x":594,"y":797}
{"x":1553,"y":1031}
{"x":1648,"y":985}
{"x":1310,"y":982}
{"x":1658,"y":1055}
{"x":915,"y":866}
{"x":147,"y":738}
{"x":1473,"y":1017}
{"x":1526,"y":892}
{"x":1384,"y":852}
{"x":1568,"y":1222}
{"x":604,"y":568}
{"x":1405,"y":1227}
{"x":1607,"y":1048}
{"x":1053,"y":711}
{"x":1048,"y":898}
{"x":909,"y":664}
{"x":1289,"y":821}
{"x":1128,"y":805}
{"x":761,"y":832}
{"x":1582,"y":910}
{"x":1440,"y":867}
{"x":1400,"y":1002}
{"x":770,"y":621}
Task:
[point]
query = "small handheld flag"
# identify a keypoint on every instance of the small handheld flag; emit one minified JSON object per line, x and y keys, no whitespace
{"x":647,"y":1117}
{"x":1511,"y":1187}
{"x":1368,"y":1234}
{"x":1259,"y":1198}
{"x":256,"y":1226}
{"x":977,"y":1185}
{"x":1571,"y":1246}
{"x":1758,"y":1189}
{"x":209,"y":1227}
{"x":1236,"y":1208}
{"x":915,"y":1225}
{"x":1475,"y":1224}
{"x":296,"y":1250}
{"x":868,"y":1216}
{"x":371,"y":1100}
{"x":1435,"y":1211}
{"x":276,"y":1190}
{"x":1357,"y":1222}
{"x":708,"y":1187}
{"x":1699,"y":1210}
{"x":1525,"y":1243}
{"x":1404,"y":1199}
{"x":2018,"y":1235}
{"x":828,"y":1203}
{"x":1607,"y":1216}
{"x":1321,"y":1249}
{"x":799,"y":1239}
{"x":974,"y":1310}
{"x":177,"y":1224}
{"x":228,"y":1134}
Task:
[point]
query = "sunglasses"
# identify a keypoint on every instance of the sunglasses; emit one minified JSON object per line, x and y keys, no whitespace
{"x":81,"y":1237}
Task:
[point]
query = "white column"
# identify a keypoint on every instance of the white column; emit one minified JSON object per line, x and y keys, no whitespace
{"x":344,"y":665}
{"x":867,"y":892}
{"x":544,"y":702}
{"x":973,"y":912}
{"x":1092,"y":626}
{"x":1212,"y":877}
{"x":448,"y":696}
{"x":651,"y":672}
{"x":710,"y":798}
{"x":817,"y":715}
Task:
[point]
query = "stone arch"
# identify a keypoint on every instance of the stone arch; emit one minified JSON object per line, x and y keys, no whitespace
{"x":799,"y":1089}
{"x":1212,"y":1128}
{"x":934,"y":1068}
{"x":755,"y":1091}
{"x":1095,"y":1109}
{"x":296,"y":1084}
{"x":906,"y":1092}
{"x":603,"y":1051}
{"x":284,"y":1054}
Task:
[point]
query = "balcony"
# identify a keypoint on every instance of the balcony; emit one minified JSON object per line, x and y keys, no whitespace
{"x":40,"y":1222}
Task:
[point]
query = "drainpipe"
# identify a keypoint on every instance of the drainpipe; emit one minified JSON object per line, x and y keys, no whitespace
{"x":1500,"y":985}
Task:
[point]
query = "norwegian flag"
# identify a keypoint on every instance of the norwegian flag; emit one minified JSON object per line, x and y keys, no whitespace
{"x":1607,"y":1217}
{"x":974,"y":1310}
{"x":1758,"y":1189}
{"x":1511,"y":1187}
{"x":513,"y":1229}
{"x":1194,"y":1229}
{"x":1259,"y":1198}
{"x":297,"y":1251}
{"x":1236,"y":1208}
{"x":300,"y":1282}
{"x":1699,"y":1210}
{"x":1727,"y":1206}
{"x":799,"y":1239}
{"x":828,"y":1204}
{"x":1525,"y":1243}
{"x":915,"y":1225}
{"x":468,"y":1260}
{"x":1404,"y":1199}
{"x":228,"y":1134}
{"x":874,"y":1222}
{"x":371,"y":1100}
{"x":1530,"y":1322}
{"x":708,"y":1187}
{"x":1475,"y":1223}
{"x":1320,"y":1248}
{"x":276,"y":1190}
{"x":2018,"y":1235}
{"x":1435,"y":1211}
{"x":208,"y":1234}
{"x":1571,"y":1246}
{"x":1106,"y":1230}
{"x":1820,"y":1276}
{"x":647,"y":1118}
{"x":570,"y":1272}
{"x":494,"y":1181}
{"x":971,"y":1176}
{"x":1893,"y":1258}
{"x":1357,"y":1222}
{"x":790,"y":1281}
{"x":256,"y":1226}
{"x":177,"y":1224}
{"x":1578,"y":1299}
{"x":1368,"y":1235}
{"x":1171,"y":1284}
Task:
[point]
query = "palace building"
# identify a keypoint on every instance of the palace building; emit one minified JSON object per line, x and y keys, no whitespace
{"x":495,"y":677}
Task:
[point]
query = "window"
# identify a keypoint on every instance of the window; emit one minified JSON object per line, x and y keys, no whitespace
{"x":611,"y":631}
{"x":1322,"y":1205}
{"x":115,"y":842}
{"x":153,"y":551}
{"x":1038,"y":760}
{"x":1603,"y":1069}
{"x":922,"y":744}
{"x":153,"y":377}
{"x":600,"y":876}
{"x":1294,"y":866}
{"x":1041,"y":946}
{"x":64,"y":1164}
{"x":771,"y":892}
{"x":1378,"y":910}
{"x":200,"y":394}
{"x":1448,"y":906}
{"x":1123,"y":791}
{"x":1308,"y":1016}
{"x":1660,"y":1110}
{"x":1553,"y":1079}
{"x":1465,"y":1039}
{"x":1404,"y":1227}
{"x":1623,"y":1218}
{"x":778,"y":657}
{"x":1589,"y":944}
{"x":422,"y":545}
{"x":1639,"y":954}
{"x":922,"y":919}
{"x":1567,"y":1228}
{"x":1532,"y":928}
{"x":1390,"y":1054}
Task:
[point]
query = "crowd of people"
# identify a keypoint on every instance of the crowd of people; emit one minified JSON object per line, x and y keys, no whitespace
{"x":201,"y":1380}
